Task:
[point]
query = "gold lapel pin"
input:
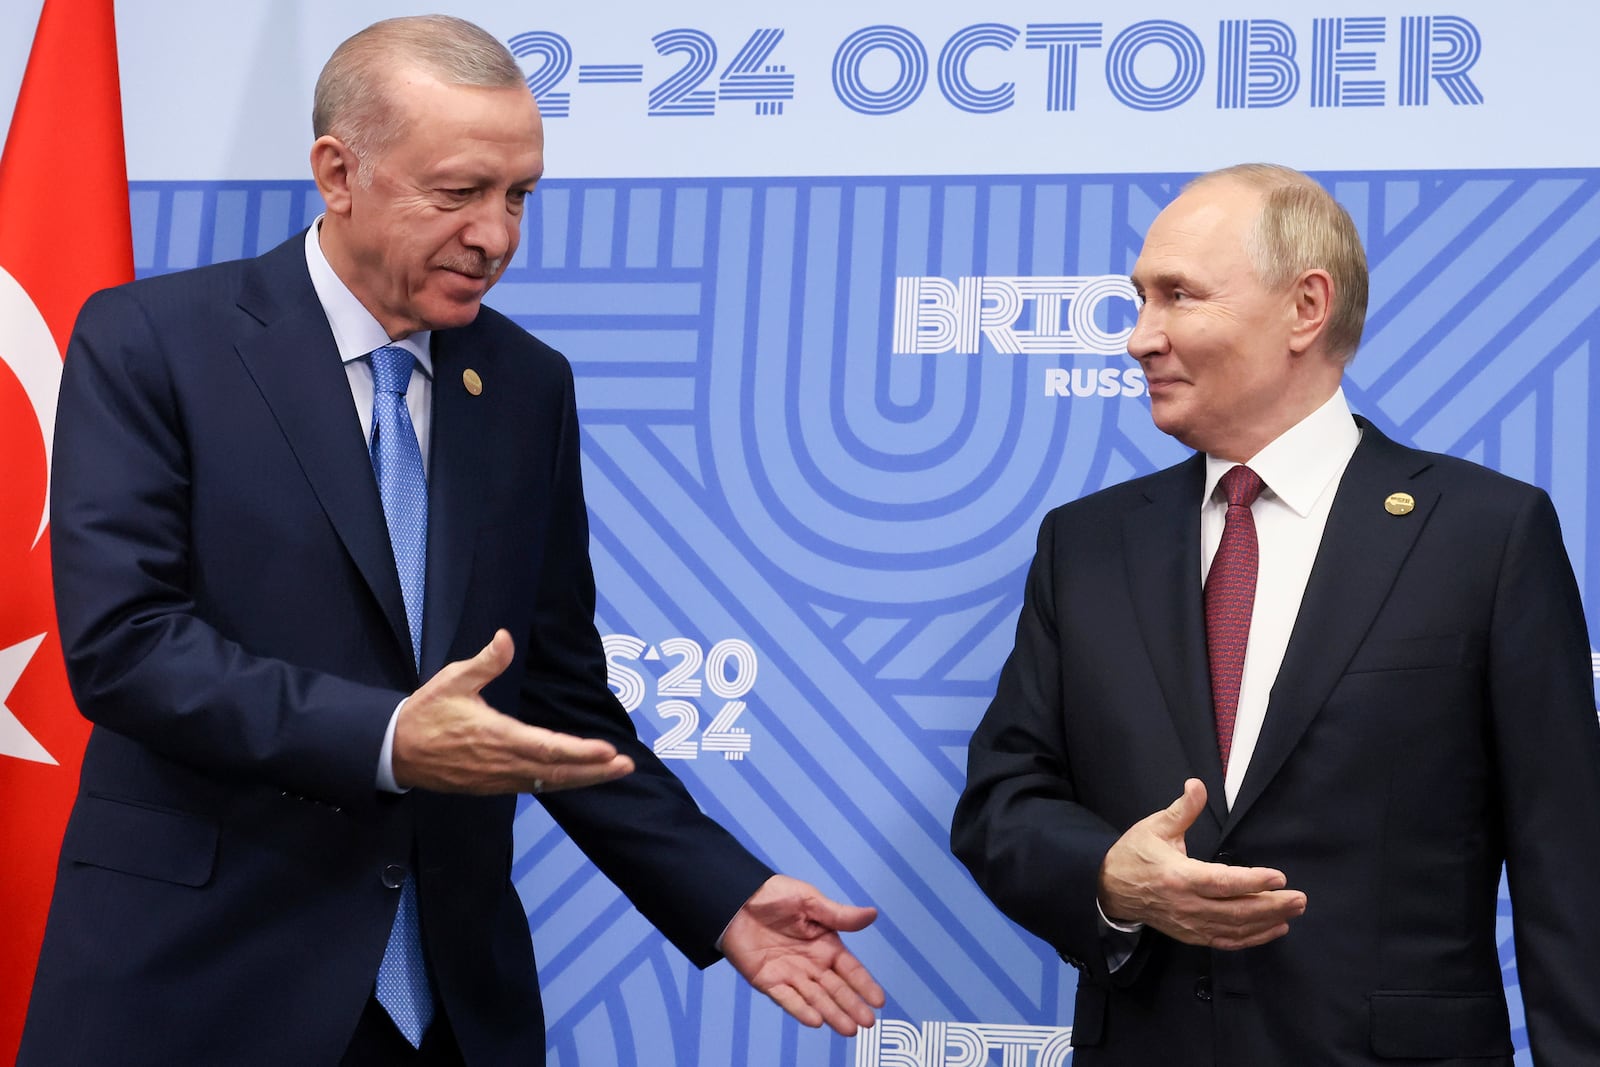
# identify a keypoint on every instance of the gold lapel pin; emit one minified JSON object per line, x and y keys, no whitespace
{"x":1399,"y":504}
{"x":474,"y":384}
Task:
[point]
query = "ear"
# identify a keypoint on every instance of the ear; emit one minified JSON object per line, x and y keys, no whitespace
{"x":1312,"y":295}
{"x":333,"y":167}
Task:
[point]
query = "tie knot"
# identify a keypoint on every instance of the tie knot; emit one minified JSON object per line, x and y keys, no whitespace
{"x":391,"y":369}
{"x":1241,"y":486}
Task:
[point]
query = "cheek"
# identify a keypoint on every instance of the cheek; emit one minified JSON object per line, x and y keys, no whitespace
{"x":431,"y":248}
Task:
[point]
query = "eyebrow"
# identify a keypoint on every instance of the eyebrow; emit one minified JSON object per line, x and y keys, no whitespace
{"x":467,"y":177}
{"x":1165,"y":279}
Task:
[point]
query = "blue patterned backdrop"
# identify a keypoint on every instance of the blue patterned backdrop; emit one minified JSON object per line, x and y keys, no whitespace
{"x":809,"y":543}
{"x":790,"y":517}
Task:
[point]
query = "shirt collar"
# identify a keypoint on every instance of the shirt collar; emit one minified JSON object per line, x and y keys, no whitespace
{"x":355,"y":331}
{"x":1300,"y":463}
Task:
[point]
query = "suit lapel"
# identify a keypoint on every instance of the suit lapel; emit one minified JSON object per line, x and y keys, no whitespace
{"x":1163,"y":557}
{"x":1362,"y":550}
{"x":454,"y":485}
{"x":294,"y":363}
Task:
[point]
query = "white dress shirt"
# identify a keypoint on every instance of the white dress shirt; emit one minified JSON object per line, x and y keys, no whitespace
{"x":357,"y":334}
{"x":1302,"y":469}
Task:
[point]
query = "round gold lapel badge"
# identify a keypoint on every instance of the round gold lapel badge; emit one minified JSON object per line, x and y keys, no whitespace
{"x":474,"y":384}
{"x":1399,"y":504}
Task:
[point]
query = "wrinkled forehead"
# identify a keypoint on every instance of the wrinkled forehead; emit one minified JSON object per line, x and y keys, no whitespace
{"x":1207,"y":224}
{"x":1221,"y":210}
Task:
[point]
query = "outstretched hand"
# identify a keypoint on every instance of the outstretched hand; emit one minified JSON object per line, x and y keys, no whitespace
{"x":448,"y":739}
{"x":785,"y":942}
{"x":1147,"y":877}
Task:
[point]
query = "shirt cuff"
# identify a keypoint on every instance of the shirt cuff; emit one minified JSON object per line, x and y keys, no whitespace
{"x":1121,"y":928}
{"x":386,"y":782}
{"x":1117,"y":940}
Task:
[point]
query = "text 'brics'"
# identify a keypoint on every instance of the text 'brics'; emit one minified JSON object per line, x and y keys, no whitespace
{"x":1090,"y":315}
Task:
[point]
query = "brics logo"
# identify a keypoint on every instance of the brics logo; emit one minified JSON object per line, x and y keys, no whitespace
{"x":1072,"y":315}
{"x":1038,"y":316}
{"x":936,"y":1043}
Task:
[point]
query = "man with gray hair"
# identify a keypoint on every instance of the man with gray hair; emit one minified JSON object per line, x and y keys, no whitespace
{"x":1361,"y":669}
{"x":324,"y":588}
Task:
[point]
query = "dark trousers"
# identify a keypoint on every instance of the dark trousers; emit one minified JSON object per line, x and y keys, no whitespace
{"x":377,"y":1043}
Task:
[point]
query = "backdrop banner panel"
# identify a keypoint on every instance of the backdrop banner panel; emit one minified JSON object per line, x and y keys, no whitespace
{"x":845,"y":288}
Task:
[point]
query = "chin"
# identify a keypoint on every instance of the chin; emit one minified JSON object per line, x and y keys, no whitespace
{"x":1167,"y":420}
{"x":453,"y":315}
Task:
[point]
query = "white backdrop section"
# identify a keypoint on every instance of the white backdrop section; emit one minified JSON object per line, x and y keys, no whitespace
{"x":938,"y":87}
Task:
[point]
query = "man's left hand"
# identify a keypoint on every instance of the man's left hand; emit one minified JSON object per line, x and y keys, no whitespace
{"x":785,"y":941}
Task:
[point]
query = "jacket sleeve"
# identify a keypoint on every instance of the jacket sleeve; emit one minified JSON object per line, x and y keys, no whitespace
{"x":681,"y":869}
{"x":1019,"y":826}
{"x":1547,"y":745}
{"x":141,"y":659}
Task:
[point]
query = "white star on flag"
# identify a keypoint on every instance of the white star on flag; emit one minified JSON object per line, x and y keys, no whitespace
{"x":15,"y":740}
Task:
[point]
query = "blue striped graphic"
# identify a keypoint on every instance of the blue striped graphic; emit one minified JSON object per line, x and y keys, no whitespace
{"x":760,"y":466}
{"x":907,"y":49}
{"x":1062,"y":41}
{"x":554,"y":55}
{"x":1188,"y":58}
{"x":610,"y":73}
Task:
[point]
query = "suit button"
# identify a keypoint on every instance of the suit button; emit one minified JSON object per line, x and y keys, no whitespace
{"x":394,"y":876}
{"x":1202,"y":988}
{"x":1225,"y":857}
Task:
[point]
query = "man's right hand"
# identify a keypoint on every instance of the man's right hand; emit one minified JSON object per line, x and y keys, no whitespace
{"x":1147,"y":877}
{"x":448,"y":739}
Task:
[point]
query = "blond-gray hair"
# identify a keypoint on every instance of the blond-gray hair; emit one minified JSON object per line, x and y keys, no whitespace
{"x":1302,"y":227}
{"x":353,"y":98}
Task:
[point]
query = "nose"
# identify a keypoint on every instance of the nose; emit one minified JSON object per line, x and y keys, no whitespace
{"x":1148,"y":337}
{"x":492,"y":229}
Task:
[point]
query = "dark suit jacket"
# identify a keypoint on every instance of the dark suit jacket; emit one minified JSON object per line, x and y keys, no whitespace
{"x":1433,"y":717}
{"x":234,"y":627}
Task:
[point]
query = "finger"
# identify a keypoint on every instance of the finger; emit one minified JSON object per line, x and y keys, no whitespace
{"x":1256,"y":910}
{"x":1224,"y":881}
{"x":551,"y":749}
{"x":1265,"y":924}
{"x":789,"y":999}
{"x":1290,"y":903}
{"x":490,"y":662}
{"x":836,"y":1003}
{"x":855,"y":975}
{"x":840,"y":990}
{"x":1240,"y":918}
{"x":838,"y":916}
{"x":1176,"y":819}
{"x":563,"y":776}
{"x":1235,"y":943}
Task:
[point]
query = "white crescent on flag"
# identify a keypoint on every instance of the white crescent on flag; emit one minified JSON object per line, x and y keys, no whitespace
{"x":27,"y":347}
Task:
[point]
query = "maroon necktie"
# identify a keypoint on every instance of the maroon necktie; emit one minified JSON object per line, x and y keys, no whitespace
{"x":1230,"y":596}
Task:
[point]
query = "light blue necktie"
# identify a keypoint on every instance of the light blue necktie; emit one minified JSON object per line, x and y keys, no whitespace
{"x":397,"y":461}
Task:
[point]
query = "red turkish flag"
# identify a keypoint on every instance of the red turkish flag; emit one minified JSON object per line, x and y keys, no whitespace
{"x":64,"y":233}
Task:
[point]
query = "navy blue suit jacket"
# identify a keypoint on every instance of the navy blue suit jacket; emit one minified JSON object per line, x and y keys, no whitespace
{"x":233,"y":625}
{"x":1433,"y":718}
